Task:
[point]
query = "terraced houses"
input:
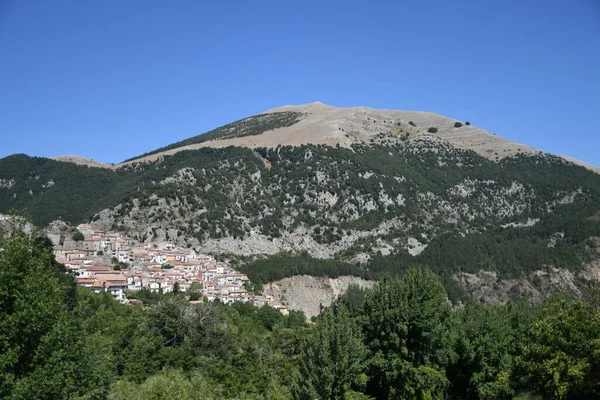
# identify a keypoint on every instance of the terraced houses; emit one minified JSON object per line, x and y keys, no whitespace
{"x":109,"y":262}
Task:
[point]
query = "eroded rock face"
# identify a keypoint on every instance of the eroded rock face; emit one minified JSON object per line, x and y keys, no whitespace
{"x":307,"y":293}
{"x":488,"y":287}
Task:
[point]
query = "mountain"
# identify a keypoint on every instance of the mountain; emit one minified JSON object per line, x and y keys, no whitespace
{"x":317,"y":123}
{"x":317,"y":189}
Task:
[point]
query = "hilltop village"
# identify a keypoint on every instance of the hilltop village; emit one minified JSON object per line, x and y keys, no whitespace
{"x":109,"y":262}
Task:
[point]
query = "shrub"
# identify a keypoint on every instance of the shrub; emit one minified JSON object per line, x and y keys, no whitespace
{"x":457,"y":124}
{"x":432,"y":130}
{"x":467,"y":123}
{"x":78,"y":236}
{"x":411,"y":123}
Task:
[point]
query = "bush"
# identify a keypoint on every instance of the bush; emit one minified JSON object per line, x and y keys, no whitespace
{"x":411,"y":123}
{"x":467,"y":123}
{"x":78,"y":236}
{"x":432,"y":130}
{"x":457,"y":124}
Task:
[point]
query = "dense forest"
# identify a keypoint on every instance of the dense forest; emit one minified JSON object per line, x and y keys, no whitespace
{"x":402,"y":339}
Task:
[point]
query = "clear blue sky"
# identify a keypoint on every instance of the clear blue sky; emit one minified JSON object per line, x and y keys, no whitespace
{"x":111,"y":79}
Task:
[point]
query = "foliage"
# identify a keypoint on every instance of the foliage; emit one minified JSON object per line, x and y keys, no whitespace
{"x":410,"y":192}
{"x":250,"y":126}
{"x":401,"y":339}
{"x":419,"y":348}
{"x":168,"y":384}
{"x":78,"y":236}
{"x":561,"y":352}
{"x":194,"y":292}
{"x":43,"y":353}
{"x":333,"y":360}
{"x":283,"y":265}
{"x":458,"y":124}
{"x":432,"y":130}
{"x":487,"y":340}
{"x":407,"y":332}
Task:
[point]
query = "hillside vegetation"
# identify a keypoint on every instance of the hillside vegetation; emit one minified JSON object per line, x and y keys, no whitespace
{"x":386,"y":197}
{"x":377,"y":208}
{"x":250,"y":126}
{"x":402,"y":339}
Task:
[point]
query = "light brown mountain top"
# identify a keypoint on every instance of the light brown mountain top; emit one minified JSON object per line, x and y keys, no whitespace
{"x":324,"y":124}
{"x":83,"y":161}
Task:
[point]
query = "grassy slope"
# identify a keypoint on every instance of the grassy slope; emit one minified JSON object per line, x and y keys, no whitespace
{"x":250,"y":126}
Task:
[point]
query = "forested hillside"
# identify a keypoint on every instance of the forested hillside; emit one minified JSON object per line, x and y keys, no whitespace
{"x":376,"y":208}
{"x":401,"y":339}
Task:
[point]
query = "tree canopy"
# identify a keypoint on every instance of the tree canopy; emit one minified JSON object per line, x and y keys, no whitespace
{"x":401,"y":339}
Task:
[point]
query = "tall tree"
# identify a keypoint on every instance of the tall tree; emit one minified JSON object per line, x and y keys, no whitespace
{"x":333,"y":359}
{"x":561,"y":356}
{"x":34,"y":292}
{"x":407,"y":331}
{"x":43,"y":350}
{"x":488,"y":339}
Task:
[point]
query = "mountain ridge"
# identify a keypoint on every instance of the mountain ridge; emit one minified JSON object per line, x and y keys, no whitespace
{"x":379,"y":192}
{"x":329,"y":125}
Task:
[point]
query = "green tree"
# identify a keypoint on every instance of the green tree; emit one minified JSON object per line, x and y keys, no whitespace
{"x":168,"y":384}
{"x":488,"y":338}
{"x":269,"y":316}
{"x":177,"y":320}
{"x":78,"y":236}
{"x":44,"y":353}
{"x":68,"y":364}
{"x":194,"y":292}
{"x":332,"y":365}
{"x":407,"y":330}
{"x":354,"y":298}
{"x":561,"y":356}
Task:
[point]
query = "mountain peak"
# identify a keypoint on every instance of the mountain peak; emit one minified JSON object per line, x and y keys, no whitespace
{"x":307,"y":107}
{"x":321,"y":124}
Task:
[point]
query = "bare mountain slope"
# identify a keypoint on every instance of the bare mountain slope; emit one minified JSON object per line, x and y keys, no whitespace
{"x":328,"y":125}
{"x":83,"y":161}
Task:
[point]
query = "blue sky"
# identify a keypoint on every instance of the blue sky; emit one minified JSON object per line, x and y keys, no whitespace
{"x":111,"y":79}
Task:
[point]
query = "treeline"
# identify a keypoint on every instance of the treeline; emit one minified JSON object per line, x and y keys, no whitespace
{"x":511,"y":252}
{"x":58,"y":340}
{"x":47,"y":189}
{"x":249,"y":126}
{"x":556,"y":241}
{"x":326,"y":190}
{"x":225,"y":200}
{"x":285,"y":265}
{"x":402,"y":339}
